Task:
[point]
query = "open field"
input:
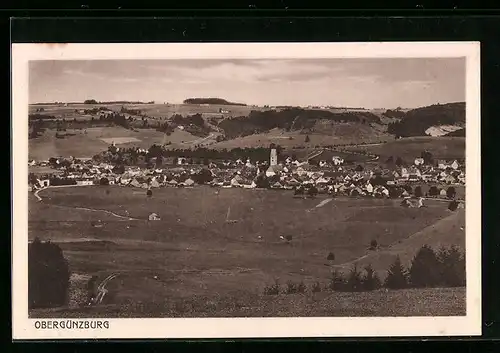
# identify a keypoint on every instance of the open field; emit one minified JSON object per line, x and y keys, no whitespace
{"x":410,"y":148}
{"x":152,"y":110}
{"x":193,"y":263}
{"x":97,"y":139}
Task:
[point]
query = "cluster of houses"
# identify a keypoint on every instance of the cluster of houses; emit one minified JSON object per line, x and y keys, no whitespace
{"x":291,"y":174}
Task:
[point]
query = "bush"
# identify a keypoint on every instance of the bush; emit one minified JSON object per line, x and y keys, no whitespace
{"x":337,"y":281}
{"x":316,"y":287}
{"x":291,"y":288}
{"x":370,"y":280}
{"x":425,"y":269}
{"x":397,"y":276}
{"x":301,"y":287}
{"x":273,"y":289}
{"x":48,"y":275}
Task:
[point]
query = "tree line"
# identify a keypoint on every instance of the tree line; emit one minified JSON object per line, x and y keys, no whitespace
{"x":428,"y":269}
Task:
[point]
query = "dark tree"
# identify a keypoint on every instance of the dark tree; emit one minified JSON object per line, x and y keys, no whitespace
{"x":451,"y":192}
{"x":312,"y":191}
{"x":370,"y":280}
{"x":337,"y":281}
{"x":453,"y":205}
{"x":427,"y":157}
{"x":159,"y":160}
{"x":307,"y":139}
{"x":48,"y":275}
{"x":373,"y":244}
{"x":395,"y":192}
{"x":425,"y":269}
{"x":119,"y":169}
{"x":354,"y":280}
{"x":104,"y":181}
{"x":299,"y":191}
{"x":390,"y":160}
{"x":399,"y":161}
{"x":262,"y":182}
{"x":418,"y":191}
{"x":433,"y":191}
{"x":359,"y":168}
{"x":203,"y":176}
{"x":330,"y":257}
{"x":452,"y":262}
{"x":149,"y":193}
{"x":397,"y":277}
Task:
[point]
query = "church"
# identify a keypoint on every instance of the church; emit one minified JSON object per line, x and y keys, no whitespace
{"x":274,"y":168}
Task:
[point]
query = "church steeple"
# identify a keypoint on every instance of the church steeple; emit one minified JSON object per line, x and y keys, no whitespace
{"x":273,"y":157}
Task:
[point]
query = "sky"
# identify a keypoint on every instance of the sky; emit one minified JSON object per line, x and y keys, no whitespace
{"x":368,"y":83}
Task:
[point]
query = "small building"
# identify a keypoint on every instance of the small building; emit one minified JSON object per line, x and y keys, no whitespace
{"x":154,"y":217}
{"x":419,"y":161}
{"x":442,"y":164}
{"x":44,"y":183}
{"x":273,"y":170}
{"x":337,"y":160}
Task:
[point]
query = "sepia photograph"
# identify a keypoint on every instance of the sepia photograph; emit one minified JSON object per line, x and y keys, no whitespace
{"x":247,"y":181}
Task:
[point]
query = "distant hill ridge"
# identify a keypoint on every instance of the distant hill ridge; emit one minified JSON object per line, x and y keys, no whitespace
{"x":215,"y":101}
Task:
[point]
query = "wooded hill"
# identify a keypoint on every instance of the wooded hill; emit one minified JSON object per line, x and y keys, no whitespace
{"x":415,"y":122}
{"x":217,"y":101}
{"x":293,"y":119}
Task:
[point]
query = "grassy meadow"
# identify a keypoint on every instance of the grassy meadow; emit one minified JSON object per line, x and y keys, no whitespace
{"x":194,"y":263}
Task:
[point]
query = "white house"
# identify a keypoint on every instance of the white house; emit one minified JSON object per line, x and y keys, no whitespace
{"x":273,"y":170}
{"x":405,"y":173}
{"x":44,"y":183}
{"x":455,"y":165}
{"x":442,"y":164}
{"x":337,"y":160}
{"x":419,"y":161}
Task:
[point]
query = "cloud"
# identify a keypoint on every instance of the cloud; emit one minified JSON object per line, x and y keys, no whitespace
{"x":245,"y":71}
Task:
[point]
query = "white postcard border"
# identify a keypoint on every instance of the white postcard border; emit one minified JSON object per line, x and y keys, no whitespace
{"x":469,"y":325}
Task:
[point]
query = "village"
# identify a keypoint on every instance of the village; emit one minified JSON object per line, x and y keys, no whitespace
{"x":311,"y":176}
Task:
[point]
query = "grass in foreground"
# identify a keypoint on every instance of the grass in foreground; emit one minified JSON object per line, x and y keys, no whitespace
{"x":409,"y":302}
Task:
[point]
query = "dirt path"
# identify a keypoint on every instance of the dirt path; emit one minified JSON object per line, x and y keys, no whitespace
{"x":389,"y":249}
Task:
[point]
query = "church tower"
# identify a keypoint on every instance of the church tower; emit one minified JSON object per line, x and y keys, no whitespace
{"x":274,"y":157}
